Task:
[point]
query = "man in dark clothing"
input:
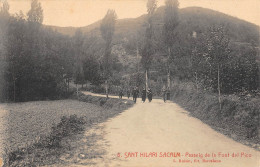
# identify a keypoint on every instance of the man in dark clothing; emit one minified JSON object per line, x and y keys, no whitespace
{"x":120,"y":94}
{"x":135,"y":94}
{"x":128,"y":93}
{"x":164,"y":94}
{"x":143,"y":95}
{"x":150,"y":95}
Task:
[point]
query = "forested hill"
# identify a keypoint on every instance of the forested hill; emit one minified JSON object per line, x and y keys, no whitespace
{"x":192,"y":19}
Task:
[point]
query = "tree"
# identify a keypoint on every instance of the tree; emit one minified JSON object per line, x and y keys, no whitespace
{"x":35,"y":14}
{"x":4,"y":22}
{"x":148,"y":48}
{"x":5,"y":9}
{"x":92,"y":71}
{"x":217,"y":55}
{"x":15,"y":40}
{"x":107,"y":29}
{"x":78,"y":40}
{"x":171,"y":21}
{"x":34,"y":61}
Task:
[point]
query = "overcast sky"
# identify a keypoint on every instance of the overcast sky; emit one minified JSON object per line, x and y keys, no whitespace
{"x":78,"y":13}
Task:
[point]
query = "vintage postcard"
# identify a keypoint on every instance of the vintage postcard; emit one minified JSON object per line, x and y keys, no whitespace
{"x":129,"y":83}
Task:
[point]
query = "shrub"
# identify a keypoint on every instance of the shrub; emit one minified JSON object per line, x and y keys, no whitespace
{"x":238,"y":116}
{"x":28,"y":155}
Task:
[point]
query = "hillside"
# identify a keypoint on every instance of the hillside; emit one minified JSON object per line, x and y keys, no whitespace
{"x":129,"y":34}
{"x":192,"y":19}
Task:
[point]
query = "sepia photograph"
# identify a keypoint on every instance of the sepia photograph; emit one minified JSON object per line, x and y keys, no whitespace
{"x":129,"y":83}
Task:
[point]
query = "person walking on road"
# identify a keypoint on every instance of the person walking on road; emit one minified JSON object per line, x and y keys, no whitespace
{"x":150,"y":95}
{"x":164,"y":94}
{"x":135,"y":94}
{"x":143,"y":95}
{"x":128,"y":93}
{"x":121,"y":94}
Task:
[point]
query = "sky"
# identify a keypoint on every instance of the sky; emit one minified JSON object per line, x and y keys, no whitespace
{"x":78,"y":13}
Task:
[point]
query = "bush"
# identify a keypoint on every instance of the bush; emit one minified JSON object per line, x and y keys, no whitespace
{"x":41,"y":148}
{"x":238,"y":116}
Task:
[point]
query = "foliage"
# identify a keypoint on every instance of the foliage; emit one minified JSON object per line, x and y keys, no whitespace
{"x":107,"y":29}
{"x":92,"y":71}
{"x":151,"y":6}
{"x":171,"y":21}
{"x":238,"y":71}
{"x":78,"y":41}
{"x":238,"y":118}
{"x":137,"y":79}
{"x":4,"y":11}
{"x":188,"y":62}
{"x":148,"y":46}
{"x":35,"y":61}
{"x":43,"y":148}
{"x":47,"y":149}
{"x":35,"y":65}
{"x":35,"y":14}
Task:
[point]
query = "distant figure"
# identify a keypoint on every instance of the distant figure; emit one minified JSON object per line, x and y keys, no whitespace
{"x":164,"y":94}
{"x":168,"y":94}
{"x":143,"y":95}
{"x":150,"y":95}
{"x":128,"y":93}
{"x":121,"y":94}
{"x":135,"y":94}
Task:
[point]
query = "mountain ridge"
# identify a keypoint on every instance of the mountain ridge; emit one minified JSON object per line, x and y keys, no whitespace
{"x":185,"y":13}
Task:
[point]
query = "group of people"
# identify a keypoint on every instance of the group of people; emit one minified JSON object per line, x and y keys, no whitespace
{"x":135,"y":94}
{"x":144,"y":94}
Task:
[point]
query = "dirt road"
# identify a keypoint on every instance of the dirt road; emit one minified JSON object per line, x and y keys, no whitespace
{"x":163,"y":134}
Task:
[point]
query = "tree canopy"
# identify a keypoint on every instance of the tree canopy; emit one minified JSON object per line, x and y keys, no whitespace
{"x":35,"y":14}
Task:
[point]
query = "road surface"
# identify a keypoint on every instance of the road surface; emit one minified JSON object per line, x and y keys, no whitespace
{"x":163,"y":134}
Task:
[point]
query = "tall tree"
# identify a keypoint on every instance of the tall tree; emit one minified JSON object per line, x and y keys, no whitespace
{"x":79,"y":57}
{"x":14,"y":51}
{"x":107,"y":29}
{"x":217,"y":54}
{"x":148,"y":48}
{"x":171,"y":21}
{"x":4,"y":16}
{"x":35,"y":14}
{"x":5,"y":8}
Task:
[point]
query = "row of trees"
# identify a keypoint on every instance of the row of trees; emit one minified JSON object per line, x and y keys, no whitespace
{"x":214,"y":63}
{"x":218,"y":67}
{"x":32,"y":56}
{"x":170,"y":23}
{"x":38,"y":63}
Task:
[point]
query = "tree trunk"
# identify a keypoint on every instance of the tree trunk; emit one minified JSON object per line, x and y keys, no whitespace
{"x":68,"y":85}
{"x":106,"y":87}
{"x":197,"y":85}
{"x":77,"y":89}
{"x":14,"y":89}
{"x":219,"y":93}
{"x":137,"y":54}
{"x":146,"y":81}
{"x":168,"y":70}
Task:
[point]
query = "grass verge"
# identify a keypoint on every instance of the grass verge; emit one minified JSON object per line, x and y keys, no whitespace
{"x":239,"y":117}
{"x":47,"y":150}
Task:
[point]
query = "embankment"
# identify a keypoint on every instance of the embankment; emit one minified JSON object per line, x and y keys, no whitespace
{"x":75,"y":118}
{"x":238,"y":118}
